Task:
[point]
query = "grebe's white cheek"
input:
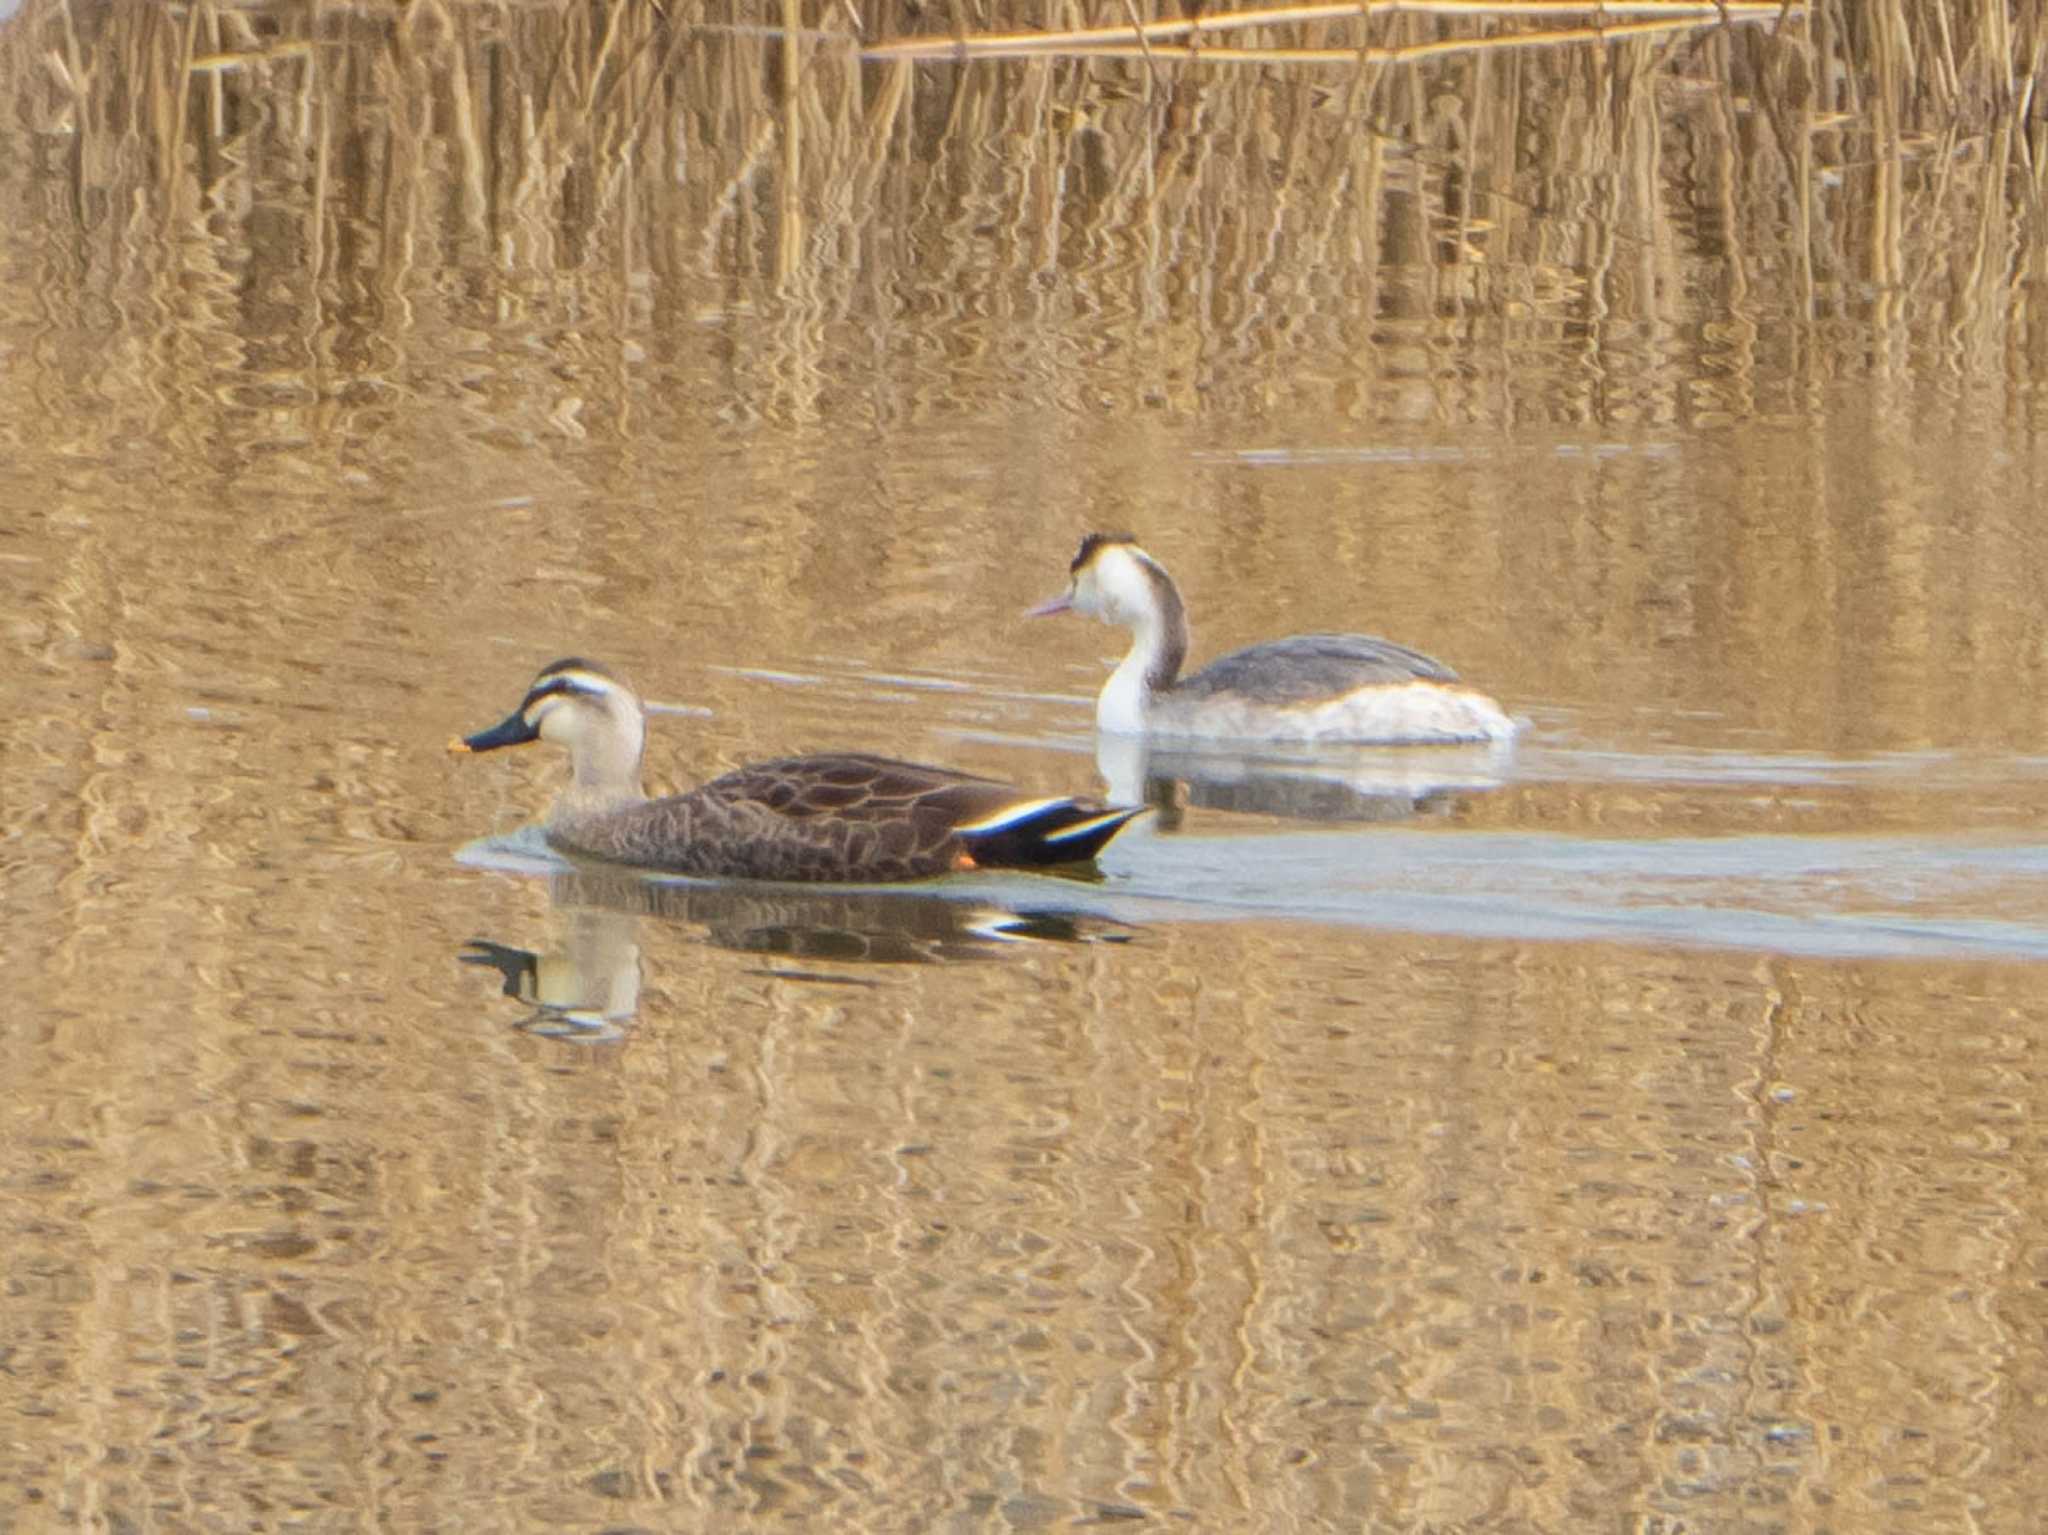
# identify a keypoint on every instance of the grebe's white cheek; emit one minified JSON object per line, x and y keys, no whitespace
{"x":1087,"y":596}
{"x":1123,"y":595}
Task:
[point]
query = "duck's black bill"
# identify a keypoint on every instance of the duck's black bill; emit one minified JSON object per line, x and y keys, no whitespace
{"x":512,"y":730}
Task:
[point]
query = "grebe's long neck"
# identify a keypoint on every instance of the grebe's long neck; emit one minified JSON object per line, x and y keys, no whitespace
{"x":1159,"y":647}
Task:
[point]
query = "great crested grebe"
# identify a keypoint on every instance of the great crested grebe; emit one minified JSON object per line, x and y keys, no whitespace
{"x":842,"y":816}
{"x":1306,"y":688}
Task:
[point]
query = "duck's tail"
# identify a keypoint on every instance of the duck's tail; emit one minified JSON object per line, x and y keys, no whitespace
{"x":1039,"y":833}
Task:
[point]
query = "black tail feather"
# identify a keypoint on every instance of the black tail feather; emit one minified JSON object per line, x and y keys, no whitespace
{"x":1061,"y":832}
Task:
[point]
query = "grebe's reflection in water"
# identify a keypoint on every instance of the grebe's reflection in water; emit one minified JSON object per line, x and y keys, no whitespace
{"x":1329,"y":783}
{"x":586,"y":983}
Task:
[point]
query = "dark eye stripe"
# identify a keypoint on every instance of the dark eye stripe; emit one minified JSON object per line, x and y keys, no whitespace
{"x":560,"y":687}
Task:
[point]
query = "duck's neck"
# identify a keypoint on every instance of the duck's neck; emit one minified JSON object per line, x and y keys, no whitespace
{"x":605,"y":776}
{"x":1159,"y":645}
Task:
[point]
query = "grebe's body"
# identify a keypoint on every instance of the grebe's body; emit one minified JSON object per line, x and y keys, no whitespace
{"x":1308,"y":688}
{"x":839,"y":816}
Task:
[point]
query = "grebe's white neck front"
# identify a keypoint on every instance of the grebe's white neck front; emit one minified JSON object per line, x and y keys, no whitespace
{"x":1125,"y":700}
{"x":1126,"y":586}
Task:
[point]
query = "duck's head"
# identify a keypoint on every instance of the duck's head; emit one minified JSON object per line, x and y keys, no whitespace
{"x":1114,"y":580}
{"x":578,"y":705}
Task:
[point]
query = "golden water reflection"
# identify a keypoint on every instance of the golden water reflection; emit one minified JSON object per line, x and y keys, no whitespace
{"x":1257,"y":1219}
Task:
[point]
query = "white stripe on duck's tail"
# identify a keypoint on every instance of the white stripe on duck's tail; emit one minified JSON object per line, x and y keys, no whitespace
{"x":1043,"y":832}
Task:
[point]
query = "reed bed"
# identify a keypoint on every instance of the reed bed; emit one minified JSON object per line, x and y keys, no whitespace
{"x":1476,"y":168}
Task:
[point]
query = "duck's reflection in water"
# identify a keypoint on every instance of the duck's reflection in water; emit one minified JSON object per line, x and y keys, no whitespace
{"x":1359,"y":783}
{"x":586,"y":984}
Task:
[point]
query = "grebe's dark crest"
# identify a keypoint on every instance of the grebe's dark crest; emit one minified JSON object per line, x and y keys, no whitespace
{"x":1092,"y":542}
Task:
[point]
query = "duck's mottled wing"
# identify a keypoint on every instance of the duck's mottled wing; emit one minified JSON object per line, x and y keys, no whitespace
{"x":1312,"y":666}
{"x":863,"y":790}
{"x":844,"y":816}
{"x":961,"y":820}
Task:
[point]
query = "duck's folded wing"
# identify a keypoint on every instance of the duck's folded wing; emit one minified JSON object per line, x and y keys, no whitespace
{"x":1312,"y":666}
{"x":861,"y":816}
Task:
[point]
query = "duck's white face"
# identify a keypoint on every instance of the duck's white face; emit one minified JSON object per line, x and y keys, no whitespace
{"x":576,"y":706}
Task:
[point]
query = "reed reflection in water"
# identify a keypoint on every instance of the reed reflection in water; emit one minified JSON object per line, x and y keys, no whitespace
{"x":1643,"y":1135}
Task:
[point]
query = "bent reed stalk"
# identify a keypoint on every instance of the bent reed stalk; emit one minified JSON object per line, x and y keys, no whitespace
{"x":1148,"y":38}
